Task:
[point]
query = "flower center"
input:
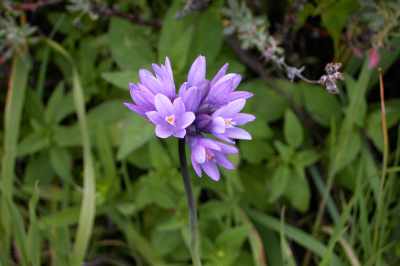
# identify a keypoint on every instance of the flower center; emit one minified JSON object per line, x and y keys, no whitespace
{"x":209,"y":155}
{"x":170,"y":120}
{"x":229,"y":122}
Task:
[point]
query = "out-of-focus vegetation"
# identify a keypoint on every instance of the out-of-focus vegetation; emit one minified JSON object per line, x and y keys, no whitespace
{"x":85,"y":182}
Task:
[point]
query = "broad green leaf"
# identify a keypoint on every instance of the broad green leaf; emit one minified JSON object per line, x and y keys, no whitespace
{"x":285,"y":152}
{"x":346,"y":149}
{"x":335,"y":15}
{"x":293,"y":130}
{"x":130,"y":45}
{"x":322,"y":106}
{"x":374,"y":124}
{"x":39,"y":170}
{"x":176,"y":38}
{"x":233,"y":238}
{"x":59,"y":105}
{"x":305,"y":158}
{"x":279,"y":182}
{"x":159,"y":156}
{"x":259,"y":129}
{"x":34,"y":142}
{"x":136,"y":132}
{"x":120,"y":79}
{"x":208,"y":37}
{"x":298,"y":191}
{"x":256,"y":150}
{"x":267,"y":104}
{"x":61,"y":162}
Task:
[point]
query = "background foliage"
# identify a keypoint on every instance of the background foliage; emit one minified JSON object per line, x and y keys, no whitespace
{"x":85,"y":180}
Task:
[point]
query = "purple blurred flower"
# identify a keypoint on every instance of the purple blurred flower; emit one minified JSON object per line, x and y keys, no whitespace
{"x":201,"y":107}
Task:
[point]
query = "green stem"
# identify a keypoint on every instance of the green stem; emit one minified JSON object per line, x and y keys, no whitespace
{"x":194,"y":241}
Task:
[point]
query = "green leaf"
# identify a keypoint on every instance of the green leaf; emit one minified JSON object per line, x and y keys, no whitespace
{"x":34,"y":245}
{"x":374,"y":126}
{"x":303,"y":239}
{"x":120,"y":79}
{"x":34,"y":142}
{"x":285,"y":152}
{"x":259,"y":129}
{"x":176,"y":38}
{"x":305,"y":158}
{"x":268,"y":105}
{"x":61,"y":162}
{"x":335,"y":15}
{"x":298,"y":191}
{"x":130,"y":45}
{"x":135,"y":133}
{"x":208,"y":36}
{"x":322,"y":106}
{"x":279,"y":182}
{"x":256,"y":150}
{"x":293,"y":130}
{"x":233,"y":238}
{"x":345,"y":151}
{"x":39,"y":170}
{"x":12,"y":117}
{"x":159,"y":156}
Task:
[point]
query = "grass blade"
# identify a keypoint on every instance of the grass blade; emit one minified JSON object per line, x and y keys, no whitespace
{"x":300,"y":237}
{"x":12,"y":118}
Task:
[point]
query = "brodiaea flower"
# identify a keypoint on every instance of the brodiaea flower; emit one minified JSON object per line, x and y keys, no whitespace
{"x":207,"y":154}
{"x":170,"y":119}
{"x":201,"y":108}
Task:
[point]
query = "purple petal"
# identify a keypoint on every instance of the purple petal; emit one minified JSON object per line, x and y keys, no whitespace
{"x":192,"y":98}
{"x":196,"y":168}
{"x":154,"y":117}
{"x":198,"y":154}
{"x":179,"y":107}
{"x":137,"y":109}
{"x":180,"y":133}
{"x":197,"y":72}
{"x":182,"y":89}
{"x":211,"y":144}
{"x":168,"y":67}
{"x":163,"y":132}
{"x":211,"y":170}
{"x":242,"y":118}
{"x":228,"y":149}
{"x":224,"y":162}
{"x":219,"y":74}
{"x":163,"y":105}
{"x":230,"y":109}
{"x":237,"y":133}
{"x":224,"y":137}
{"x":218,"y":125}
{"x":148,"y":80}
{"x":240,"y":95}
{"x":185,"y":120}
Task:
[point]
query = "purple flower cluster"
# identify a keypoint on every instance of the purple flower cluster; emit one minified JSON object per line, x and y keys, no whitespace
{"x":201,"y":109}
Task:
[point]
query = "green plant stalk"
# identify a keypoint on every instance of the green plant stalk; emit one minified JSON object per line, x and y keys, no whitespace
{"x":88,"y":205}
{"x":380,"y":209}
{"x":12,"y":117}
{"x":193,"y":224}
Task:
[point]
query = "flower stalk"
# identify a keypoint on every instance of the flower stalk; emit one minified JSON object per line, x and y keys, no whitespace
{"x":193,"y":224}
